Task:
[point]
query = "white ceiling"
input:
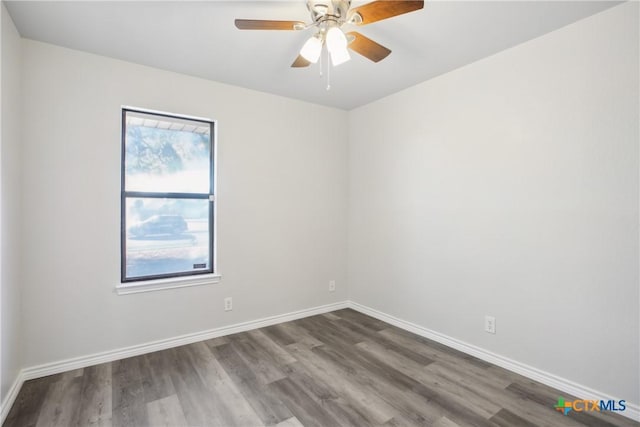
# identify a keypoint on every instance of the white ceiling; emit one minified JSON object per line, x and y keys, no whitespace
{"x":200,"y":39}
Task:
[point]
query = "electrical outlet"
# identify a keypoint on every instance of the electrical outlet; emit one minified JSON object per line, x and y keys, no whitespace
{"x":332,"y":285}
{"x":228,"y":304}
{"x":490,"y":324}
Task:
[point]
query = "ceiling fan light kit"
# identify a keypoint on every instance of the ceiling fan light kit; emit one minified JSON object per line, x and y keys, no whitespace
{"x":328,"y":17}
{"x":339,"y":56}
{"x":312,"y":49}
{"x":337,"y":46}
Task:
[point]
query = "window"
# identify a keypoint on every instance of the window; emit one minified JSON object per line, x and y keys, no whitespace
{"x":167,"y":197}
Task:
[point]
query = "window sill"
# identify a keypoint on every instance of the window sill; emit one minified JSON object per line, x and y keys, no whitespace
{"x":162,"y":284}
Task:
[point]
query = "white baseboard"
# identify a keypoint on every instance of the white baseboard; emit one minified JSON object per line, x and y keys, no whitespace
{"x":562,"y":384}
{"x":8,"y":400}
{"x":136,"y":350}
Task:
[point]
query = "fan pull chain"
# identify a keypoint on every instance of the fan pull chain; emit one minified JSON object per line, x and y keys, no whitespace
{"x":328,"y":73}
{"x":320,"y":64}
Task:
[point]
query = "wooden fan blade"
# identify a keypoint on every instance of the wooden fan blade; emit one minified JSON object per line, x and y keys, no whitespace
{"x":300,"y":62}
{"x":367,"y":47}
{"x":383,"y":9}
{"x":257,"y":24}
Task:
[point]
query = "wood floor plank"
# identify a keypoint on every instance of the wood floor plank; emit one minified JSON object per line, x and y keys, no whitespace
{"x":432,"y":350}
{"x":278,"y":334}
{"x":322,"y":330}
{"x":378,"y":376}
{"x":277,"y":353}
{"x":299,"y":335}
{"x":205,"y":365}
{"x":361,"y":319}
{"x":154,"y":374}
{"x":95,"y":405}
{"x":342,"y":368}
{"x":445,"y":422}
{"x":393,"y":380}
{"x":367,"y":402}
{"x":441,"y":349}
{"x":464,"y":374}
{"x":375,"y":336}
{"x":449,"y":389}
{"x":29,"y":402}
{"x":301,"y":404}
{"x":128,"y":402}
{"x":505,"y":418}
{"x":61,"y":402}
{"x":226,"y":398}
{"x":214,"y":342}
{"x":259,"y":361}
{"x":290,"y":422}
{"x":268,"y":407}
{"x":402,"y":421}
{"x":194,"y":397}
{"x":330,"y":316}
{"x":166,"y":412}
{"x":218,"y":403}
{"x":325,"y":396}
{"x":474,"y":380}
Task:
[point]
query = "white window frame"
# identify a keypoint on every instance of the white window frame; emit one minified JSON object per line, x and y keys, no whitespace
{"x":132,"y":286}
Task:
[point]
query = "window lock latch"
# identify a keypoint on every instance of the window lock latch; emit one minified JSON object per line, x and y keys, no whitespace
{"x":212,"y":198}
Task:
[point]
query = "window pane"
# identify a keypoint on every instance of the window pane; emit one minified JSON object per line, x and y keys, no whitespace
{"x":166,"y":154}
{"x":166,"y":236}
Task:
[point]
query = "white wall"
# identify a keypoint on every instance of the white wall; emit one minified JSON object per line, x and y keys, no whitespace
{"x":509,"y":187}
{"x":10,"y":148}
{"x":282,"y":188}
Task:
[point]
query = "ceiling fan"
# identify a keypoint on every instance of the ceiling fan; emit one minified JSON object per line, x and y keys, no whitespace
{"x":327,"y":18}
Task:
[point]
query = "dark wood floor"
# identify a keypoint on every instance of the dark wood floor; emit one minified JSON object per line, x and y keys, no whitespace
{"x":341,"y":368}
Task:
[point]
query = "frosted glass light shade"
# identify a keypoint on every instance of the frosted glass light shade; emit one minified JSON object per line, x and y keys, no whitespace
{"x":337,"y":46}
{"x":339,"y":56}
{"x":335,"y":39}
{"x":311,"y":49}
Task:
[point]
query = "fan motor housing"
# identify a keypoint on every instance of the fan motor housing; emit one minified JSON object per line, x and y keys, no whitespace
{"x":322,"y":10}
